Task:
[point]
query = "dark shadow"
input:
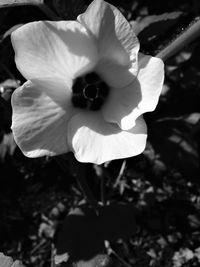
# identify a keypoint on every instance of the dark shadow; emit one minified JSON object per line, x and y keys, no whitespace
{"x":83,"y":233}
{"x":173,"y":140}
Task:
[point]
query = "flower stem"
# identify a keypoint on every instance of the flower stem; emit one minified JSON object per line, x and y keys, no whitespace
{"x":38,"y":3}
{"x":78,"y":171}
{"x":186,"y":37}
{"x":81,"y":180}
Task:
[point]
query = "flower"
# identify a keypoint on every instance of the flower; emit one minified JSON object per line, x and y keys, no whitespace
{"x":87,"y":87}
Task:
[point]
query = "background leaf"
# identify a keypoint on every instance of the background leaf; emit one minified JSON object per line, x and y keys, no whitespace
{"x":6,"y":261}
{"x":153,"y":26}
{"x":174,"y":140}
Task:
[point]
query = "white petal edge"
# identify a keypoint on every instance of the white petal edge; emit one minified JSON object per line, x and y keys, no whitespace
{"x":125,"y":105}
{"x":39,"y":120}
{"x":61,"y":50}
{"x":94,"y":140}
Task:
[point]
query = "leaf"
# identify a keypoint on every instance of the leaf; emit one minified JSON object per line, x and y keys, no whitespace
{"x":174,"y":140}
{"x":155,"y":25}
{"x":17,"y":263}
{"x":101,"y":260}
{"x":7,"y":146}
{"x":12,"y":29}
{"x":83,"y":233}
{"x":11,"y":3}
{"x":61,"y":258}
{"x":194,"y":220}
{"x":6,"y":89}
{"x":182,"y":256}
{"x":9,"y":83}
{"x":6,"y":261}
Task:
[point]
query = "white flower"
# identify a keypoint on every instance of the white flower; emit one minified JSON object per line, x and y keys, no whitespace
{"x":57,"y":110}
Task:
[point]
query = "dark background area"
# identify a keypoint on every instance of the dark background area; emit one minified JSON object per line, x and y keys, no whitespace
{"x":159,"y":188}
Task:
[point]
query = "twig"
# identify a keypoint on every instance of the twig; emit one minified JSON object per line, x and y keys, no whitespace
{"x":39,"y":246}
{"x":189,"y":35}
{"x":121,"y":172}
{"x":12,"y":3}
{"x":111,"y":251}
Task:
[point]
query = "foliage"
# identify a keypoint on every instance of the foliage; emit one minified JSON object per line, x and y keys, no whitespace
{"x":38,"y":196}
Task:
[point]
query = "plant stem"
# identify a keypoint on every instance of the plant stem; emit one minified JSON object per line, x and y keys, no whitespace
{"x":103,"y":190}
{"x":190,"y":34}
{"x":12,"y":3}
{"x":38,"y":3}
{"x":78,"y":171}
{"x":121,"y":173}
{"x":81,"y":180}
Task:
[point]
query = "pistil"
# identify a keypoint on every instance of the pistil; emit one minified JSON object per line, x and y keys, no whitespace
{"x":89,"y":92}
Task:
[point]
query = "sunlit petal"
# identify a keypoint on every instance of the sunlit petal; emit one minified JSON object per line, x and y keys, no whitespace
{"x":117,"y":44}
{"x":125,"y":105}
{"x":60,"y":50}
{"x":40,"y":117}
{"x":94,"y":140}
{"x":51,"y":55}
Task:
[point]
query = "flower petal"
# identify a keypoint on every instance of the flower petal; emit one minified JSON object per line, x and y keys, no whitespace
{"x":96,"y":141}
{"x":40,"y":118}
{"x":62,"y":50}
{"x":125,"y":105}
{"x":115,"y":75}
{"x":116,"y":41}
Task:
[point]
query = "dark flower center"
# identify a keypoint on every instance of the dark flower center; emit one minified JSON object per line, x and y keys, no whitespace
{"x":89,"y":92}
